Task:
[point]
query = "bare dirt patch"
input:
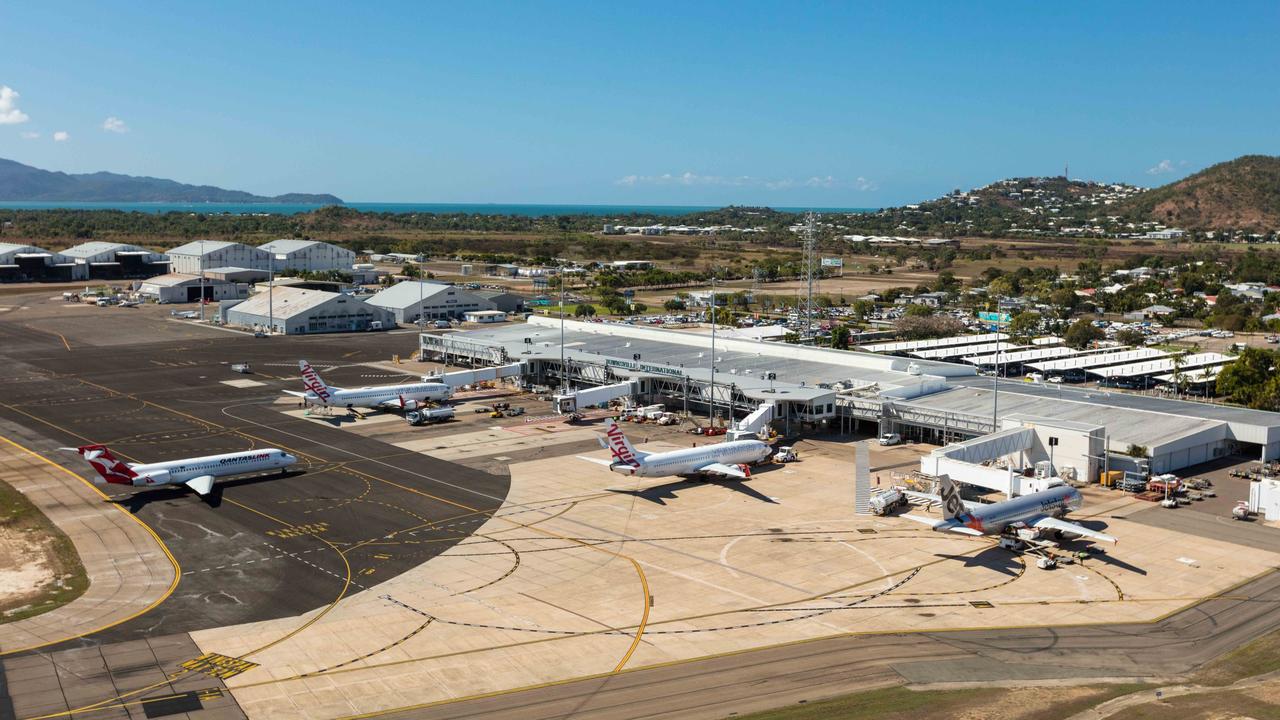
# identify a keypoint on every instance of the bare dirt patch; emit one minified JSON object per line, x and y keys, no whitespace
{"x":39,"y":567}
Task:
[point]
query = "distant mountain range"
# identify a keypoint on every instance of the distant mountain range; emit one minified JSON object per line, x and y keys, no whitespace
{"x":23,"y":183}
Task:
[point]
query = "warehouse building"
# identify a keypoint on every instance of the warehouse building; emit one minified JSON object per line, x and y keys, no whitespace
{"x":818,"y":387}
{"x":28,"y":263}
{"x":309,"y":255}
{"x":507,"y":302}
{"x":205,"y":254}
{"x":237,"y":274}
{"x":410,"y":300}
{"x":100,"y":260}
{"x":297,"y":311}
{"x":184,"y":288}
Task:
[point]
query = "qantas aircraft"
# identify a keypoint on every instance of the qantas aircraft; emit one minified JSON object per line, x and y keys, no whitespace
{"x":395,"y":397}
{"x":196,"y":473}
{"x":1042,"y":511}
{"x":728,"y":459}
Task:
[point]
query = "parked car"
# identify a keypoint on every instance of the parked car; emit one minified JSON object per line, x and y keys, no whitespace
{"x":890,"y":439}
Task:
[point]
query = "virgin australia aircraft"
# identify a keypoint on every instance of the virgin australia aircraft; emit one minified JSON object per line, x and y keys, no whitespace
{"x":402,"y":397}
{"x":197,"y":473}
{"x":728,"y":459}
{"x":1042,"y":511}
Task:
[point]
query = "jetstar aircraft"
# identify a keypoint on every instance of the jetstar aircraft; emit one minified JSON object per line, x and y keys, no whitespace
{"x":197,"y":473}
{"x":411,"y":396}
{"x":1042,"y":511}
{"x":729,"y":459}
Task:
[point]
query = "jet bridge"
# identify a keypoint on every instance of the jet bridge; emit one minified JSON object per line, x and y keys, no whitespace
{"x":459,"y":378}
{"x":576,"y":400}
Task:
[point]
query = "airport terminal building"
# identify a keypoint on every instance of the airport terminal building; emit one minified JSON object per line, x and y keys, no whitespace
{"x":930,"y":400}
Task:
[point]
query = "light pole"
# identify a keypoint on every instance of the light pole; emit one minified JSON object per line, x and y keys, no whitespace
{"x":712,"y":412}
{"x":202,"y":281}
{"x":271,"y":287}
{"x":564,"y":370}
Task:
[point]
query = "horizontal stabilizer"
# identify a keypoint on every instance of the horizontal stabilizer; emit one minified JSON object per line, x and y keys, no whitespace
{"x":598,"y":461}
{"x":934,"y":523}
{"x":202,"y":485}
{"x":295,"y":393}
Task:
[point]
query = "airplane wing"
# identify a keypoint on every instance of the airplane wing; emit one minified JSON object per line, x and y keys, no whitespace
{"x":732,"y":471}
{"x":1050,"y":523}
{"x":202,"y":485}
{"x":940,"y":524}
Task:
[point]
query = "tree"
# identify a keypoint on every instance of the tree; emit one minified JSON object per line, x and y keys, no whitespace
{"x":1024,"y":324}
{"x":673,"y":305}
{"x":1252,"y":379}
{"x":840,"y":337}
{"x":920,"y":328}
{"x":410,"y":271}
{"x":724,"y":316}
{"x":639,"y":307}
{"x":584,"y":310}
{"x":1002,"y":286}
{"x":918,"y":310}
{"x":1065,"y":299}
{"x":1138,"y":451}
{"x":1131,"y":336}
{"x":1081,"y":333}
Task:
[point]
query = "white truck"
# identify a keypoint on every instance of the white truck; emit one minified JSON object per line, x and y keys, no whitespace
{"x":429,"y":415}
{"x":886,"y":501}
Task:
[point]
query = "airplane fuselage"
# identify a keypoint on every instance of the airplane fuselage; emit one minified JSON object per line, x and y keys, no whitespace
{"x":689,"y":461}
{"x":373,"y":397}
{"x":225,"y":465}
{"x":995,"y":518}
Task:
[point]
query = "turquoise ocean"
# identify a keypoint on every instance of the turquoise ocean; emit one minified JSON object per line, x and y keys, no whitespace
{"x":403,"y":208}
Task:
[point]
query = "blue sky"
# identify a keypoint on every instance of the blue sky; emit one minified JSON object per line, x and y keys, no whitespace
{"x":783,"y":104}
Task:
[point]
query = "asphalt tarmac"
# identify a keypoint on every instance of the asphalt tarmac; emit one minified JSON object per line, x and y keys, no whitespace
{"x":357,"y":511}
{"x":353,"y":512}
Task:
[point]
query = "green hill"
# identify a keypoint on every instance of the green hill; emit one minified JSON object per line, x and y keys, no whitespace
{"x":1241,"y":194}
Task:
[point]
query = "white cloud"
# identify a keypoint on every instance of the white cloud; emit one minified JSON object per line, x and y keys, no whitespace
{"x":30,"y":135}
{"x":1162,"y":167}
{"x":61,"y":136}
{"x":692,"y":178}
{"x":9,"y":112}
{"x":115,"y":125}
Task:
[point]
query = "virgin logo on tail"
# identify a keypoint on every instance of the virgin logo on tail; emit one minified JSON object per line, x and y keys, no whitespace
{"x":619,"y":447}
{"x":106,"y":464}
{"x":311,"y":381}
